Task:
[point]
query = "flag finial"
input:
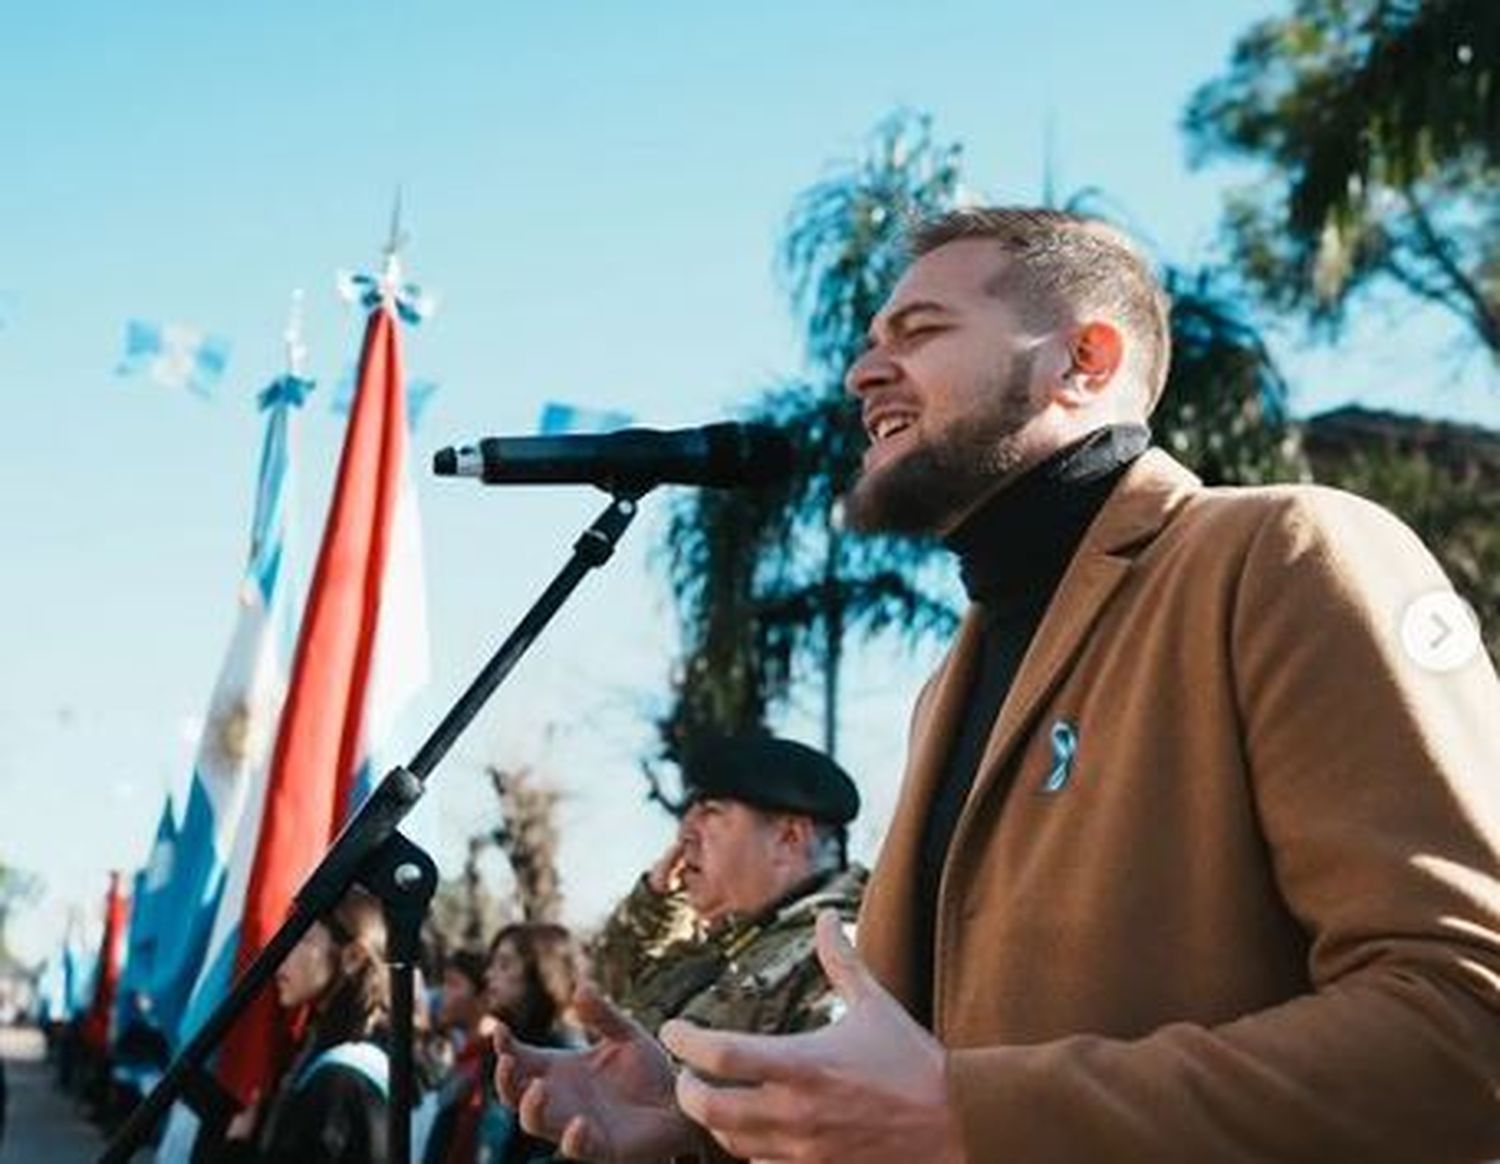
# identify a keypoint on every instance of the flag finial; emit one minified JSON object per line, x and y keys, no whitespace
{"x":296,"y":348}
{"x":292,"y":387}
{"x":408,"y":300}
{"x":390,"y":277}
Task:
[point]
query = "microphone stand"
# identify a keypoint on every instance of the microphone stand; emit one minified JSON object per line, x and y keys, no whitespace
{"x":372,"y":852}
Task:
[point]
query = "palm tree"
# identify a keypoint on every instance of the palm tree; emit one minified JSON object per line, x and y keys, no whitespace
{"x":767,"y":587}
{"x":1225,"y":412}
{"x":18,"y":889}
{"x":768,"y":590}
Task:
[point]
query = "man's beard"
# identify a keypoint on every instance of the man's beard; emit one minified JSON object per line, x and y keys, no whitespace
{"x":929,"y":487}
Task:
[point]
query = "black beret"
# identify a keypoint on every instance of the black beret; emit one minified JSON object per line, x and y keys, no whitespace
{"x":772,"y":774}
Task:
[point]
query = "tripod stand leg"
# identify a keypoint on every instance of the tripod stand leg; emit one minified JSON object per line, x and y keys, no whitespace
{"x":403,"y":876}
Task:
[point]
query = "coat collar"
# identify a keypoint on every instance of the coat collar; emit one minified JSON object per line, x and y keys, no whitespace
{"x":1147,"y":497}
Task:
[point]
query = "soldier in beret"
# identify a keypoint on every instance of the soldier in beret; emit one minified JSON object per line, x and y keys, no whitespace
{"x":720,"y":930}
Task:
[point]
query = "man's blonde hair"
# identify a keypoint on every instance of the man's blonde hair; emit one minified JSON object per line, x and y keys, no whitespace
{"x":1067,"y":265}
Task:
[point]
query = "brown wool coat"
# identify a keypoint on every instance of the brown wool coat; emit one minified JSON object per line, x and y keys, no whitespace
{"x":1261,"y":918}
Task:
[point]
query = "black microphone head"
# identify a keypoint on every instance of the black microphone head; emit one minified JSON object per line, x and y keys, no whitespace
{"x":445,"y":462}
{"x":747,"y":454}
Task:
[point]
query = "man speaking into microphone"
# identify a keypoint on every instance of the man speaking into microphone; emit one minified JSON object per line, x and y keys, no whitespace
{"x":1197,"y":856}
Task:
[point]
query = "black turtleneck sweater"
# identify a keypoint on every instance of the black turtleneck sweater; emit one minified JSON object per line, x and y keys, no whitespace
{"x":1012,"y":554}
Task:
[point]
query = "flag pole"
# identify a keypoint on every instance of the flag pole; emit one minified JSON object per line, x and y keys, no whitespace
{"x":296,"y":345}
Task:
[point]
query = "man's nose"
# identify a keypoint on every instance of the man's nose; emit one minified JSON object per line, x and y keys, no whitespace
{"x":871,"y":370}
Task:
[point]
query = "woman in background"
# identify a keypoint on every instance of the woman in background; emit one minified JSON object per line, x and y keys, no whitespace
{"x":529,"y":982}
{"x":330,"y":1106}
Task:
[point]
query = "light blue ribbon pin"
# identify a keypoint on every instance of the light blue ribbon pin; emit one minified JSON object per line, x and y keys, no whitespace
{"x":1064,"y":746}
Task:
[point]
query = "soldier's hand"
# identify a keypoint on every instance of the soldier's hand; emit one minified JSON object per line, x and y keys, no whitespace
{"x":663,"y":876}
{"x":871,"y":1087}
{"x":612,"y":1102}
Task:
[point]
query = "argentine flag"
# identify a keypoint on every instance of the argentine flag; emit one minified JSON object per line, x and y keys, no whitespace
{"x":174,"y":355}
{"x":216,"y":840}
{"x":229,"y":773}
{"x":151,"y":921}
{"x":419,"y":394}
{"x":67,"y":980}
{"x":559,"y":419}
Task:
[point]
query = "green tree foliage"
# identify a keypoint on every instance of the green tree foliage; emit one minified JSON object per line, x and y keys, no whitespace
{"x":18,"y":889}
{"x":468,"y":910}
{"x":528,"y":838}
{"x":1378,"y":122}
{"x":767,"y":587}
{"x":1225,"y":409}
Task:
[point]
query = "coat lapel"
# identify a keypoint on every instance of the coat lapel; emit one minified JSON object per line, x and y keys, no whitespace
{"x":886,"y":918}
{"x":1151,"y":489}
{"x":1150,"y":492}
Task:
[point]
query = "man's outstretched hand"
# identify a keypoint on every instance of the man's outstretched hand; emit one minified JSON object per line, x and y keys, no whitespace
{"x":871,"y":1087}
{"x":612,"y":1103}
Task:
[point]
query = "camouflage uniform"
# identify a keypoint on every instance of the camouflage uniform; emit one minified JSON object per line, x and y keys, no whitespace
{"x":758,"y":973}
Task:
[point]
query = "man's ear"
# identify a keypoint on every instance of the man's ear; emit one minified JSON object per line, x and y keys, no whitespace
{"x":795,"y":831}
{"x":1095,"y":350}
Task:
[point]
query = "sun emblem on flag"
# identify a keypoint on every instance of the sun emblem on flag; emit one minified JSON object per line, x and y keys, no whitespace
{"x":238,"y":732}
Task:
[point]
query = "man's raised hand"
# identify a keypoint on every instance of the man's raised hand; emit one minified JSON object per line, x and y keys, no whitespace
{"x":611,"y":1103}
{"x":871,"y":1087}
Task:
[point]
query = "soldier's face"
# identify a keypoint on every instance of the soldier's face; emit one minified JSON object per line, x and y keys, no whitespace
{"x":731,"y":858}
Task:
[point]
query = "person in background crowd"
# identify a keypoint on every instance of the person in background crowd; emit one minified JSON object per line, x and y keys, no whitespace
{"x":140,"y":1055}
{"x":530,"y":984}
{"x":461,"y":1016}
{"x":330,"y":1106}
{"x":432,"y":1057}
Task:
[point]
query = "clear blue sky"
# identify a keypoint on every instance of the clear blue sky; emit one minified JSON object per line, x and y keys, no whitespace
{"x":595,"y":190}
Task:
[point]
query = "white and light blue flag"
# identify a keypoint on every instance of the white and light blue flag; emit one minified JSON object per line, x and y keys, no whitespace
{"x":221,"y":825}
{"x":419,"y":394}
{"x":559,"y":419}
{"x":229,"y":772}
{"x":149,"y":916}
{"x":67,"y":984}
{"x":174,"y":355}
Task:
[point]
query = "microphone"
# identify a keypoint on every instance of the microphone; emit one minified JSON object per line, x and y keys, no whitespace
{"x":722,"y":455}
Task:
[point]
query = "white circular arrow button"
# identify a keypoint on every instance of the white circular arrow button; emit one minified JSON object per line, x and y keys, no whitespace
{"x":1440,"y":631}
